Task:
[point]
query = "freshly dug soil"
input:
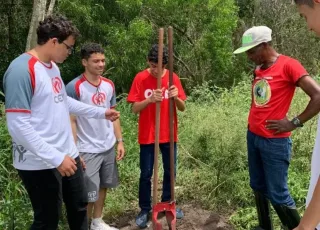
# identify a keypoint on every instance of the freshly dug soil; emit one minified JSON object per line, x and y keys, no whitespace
{"x":194,"y":219}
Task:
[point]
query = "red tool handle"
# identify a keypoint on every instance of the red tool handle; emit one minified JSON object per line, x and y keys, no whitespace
{"x":157,"y":129}
{"x":171,"y":111}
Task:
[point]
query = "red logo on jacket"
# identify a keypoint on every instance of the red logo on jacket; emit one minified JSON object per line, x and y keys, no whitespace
{"x":99,"y":98}
{"x":56,"y":85}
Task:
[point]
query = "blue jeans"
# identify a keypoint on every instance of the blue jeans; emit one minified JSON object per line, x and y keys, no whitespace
{"x":269,"y":160}
{"x":146,"y":171}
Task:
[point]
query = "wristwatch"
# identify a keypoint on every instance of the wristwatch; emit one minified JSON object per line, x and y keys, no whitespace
{"x":120,"y":140}
{"x":296,"y":122}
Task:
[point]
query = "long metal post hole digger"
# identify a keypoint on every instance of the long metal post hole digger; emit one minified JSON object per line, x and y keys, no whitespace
{"x":168,"y":207}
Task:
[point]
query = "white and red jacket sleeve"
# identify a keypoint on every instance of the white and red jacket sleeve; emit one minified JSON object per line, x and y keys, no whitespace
{"x":18,"y":86}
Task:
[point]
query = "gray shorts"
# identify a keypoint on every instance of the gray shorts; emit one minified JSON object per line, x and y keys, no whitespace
{"x":101,"y":172}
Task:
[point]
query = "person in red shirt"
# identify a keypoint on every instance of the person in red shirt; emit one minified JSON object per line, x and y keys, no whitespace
{"x":268,"y":138}
{"x":143,"y":95}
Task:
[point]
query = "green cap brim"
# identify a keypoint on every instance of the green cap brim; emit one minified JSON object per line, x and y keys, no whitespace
{"x":244,"y":49}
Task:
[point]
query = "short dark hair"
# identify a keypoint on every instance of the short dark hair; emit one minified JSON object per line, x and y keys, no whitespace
{"x":55,"y":26}
{"x":305,"y":2}
{"x":153,"y":54}
{"x":90,"y":48}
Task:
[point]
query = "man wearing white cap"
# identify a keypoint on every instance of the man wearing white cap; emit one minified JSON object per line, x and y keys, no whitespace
{"x":275,"y":79}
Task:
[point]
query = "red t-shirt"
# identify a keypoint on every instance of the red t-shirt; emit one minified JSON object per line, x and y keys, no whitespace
{"x":141,"y":88}
{"x":272,"y":93}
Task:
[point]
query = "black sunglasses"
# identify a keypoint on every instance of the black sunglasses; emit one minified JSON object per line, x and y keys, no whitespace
{"x":70,"y":48}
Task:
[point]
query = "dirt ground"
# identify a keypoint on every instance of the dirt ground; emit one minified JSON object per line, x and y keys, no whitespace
{"x":194,"y":219}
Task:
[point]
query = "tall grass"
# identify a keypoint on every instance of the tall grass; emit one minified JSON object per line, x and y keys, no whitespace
{"x":212,"y":160}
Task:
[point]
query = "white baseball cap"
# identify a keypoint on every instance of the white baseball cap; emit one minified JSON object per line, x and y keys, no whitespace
{"x":253,"y":37}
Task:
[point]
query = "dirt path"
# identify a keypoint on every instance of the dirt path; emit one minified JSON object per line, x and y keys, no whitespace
{"x":195,"y":219}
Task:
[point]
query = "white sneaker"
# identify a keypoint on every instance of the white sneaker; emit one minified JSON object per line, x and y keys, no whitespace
{"x":99,"y":224}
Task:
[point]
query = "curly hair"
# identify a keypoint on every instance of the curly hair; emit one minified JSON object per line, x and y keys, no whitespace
{"x":90,"y":48}
{"x":305,"y":2}
{"x":55,"y":26}
{"x":153,"y":55}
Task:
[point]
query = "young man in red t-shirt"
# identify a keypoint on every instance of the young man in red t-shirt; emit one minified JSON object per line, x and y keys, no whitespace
{"x":269,"y":145}
{"x":143,"y":95}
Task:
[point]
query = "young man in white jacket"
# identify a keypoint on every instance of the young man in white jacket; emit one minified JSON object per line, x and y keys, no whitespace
{"x":96,"y":139}
{"x":37,"y":112}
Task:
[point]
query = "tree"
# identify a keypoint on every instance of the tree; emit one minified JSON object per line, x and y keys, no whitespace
{"x":290,"y":34}
{"x":39,"y":11}
{"x":202,"y":36}
{"x":15,"y":16}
